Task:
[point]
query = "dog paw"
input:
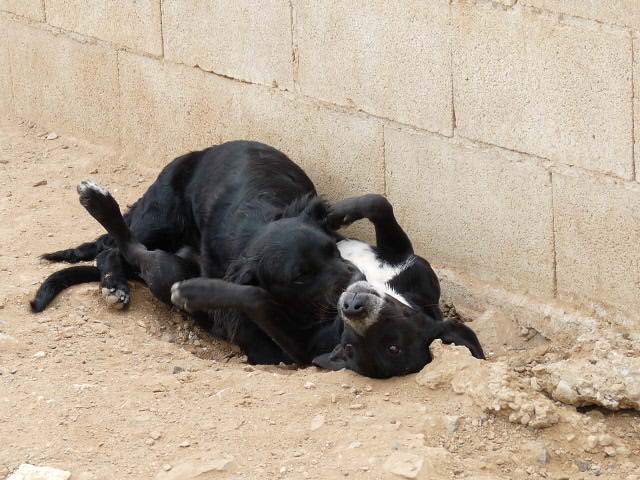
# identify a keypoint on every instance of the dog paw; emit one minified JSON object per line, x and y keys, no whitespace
{"x":88,"y":187}
{"x":177,"y":297}
{"x":116,"y":294}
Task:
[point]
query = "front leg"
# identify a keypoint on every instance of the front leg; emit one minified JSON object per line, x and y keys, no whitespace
{"x":211,"y":294}
{"x":391,"y":240}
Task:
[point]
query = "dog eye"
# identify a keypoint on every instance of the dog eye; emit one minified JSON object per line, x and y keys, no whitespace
{"x":348,"y":350}
{"x":394,"y":349}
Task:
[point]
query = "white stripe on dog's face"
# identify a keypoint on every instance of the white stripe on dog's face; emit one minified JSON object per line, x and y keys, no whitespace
{"x":377,"y":272}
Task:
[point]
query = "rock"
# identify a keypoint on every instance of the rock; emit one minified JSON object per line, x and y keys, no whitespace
{"x":32,"y":472}
{"x":490,"y":385}
{"x":582,"y":465}
{"x":40,"y":183}
{"x":439,"y":424}
{"x":177,"y":370}
{"x":406,"y":465}
{"x":565,"y":393}
{"x":185,"y":444}
{"x":195,"y":468}
{"x":155,"y":435}
{"x":606,"y":376}
{"x":39,"y":354}
{"x":317,"y":422}
{"x":51,"y":136}
{"x":539,"y":451}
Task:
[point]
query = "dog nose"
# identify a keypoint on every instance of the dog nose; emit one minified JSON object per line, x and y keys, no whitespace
{"x":354,"y":307}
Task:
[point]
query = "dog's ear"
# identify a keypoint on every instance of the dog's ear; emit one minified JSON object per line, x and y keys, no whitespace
{"x":336,"y":360}
{"x":309,"y":206}
{"x":458,"y":333}
{"x":242,"y":272}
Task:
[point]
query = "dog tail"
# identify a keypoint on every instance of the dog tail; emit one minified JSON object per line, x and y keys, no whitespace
{"x":61,"y":280}
{"x":82,"y":253}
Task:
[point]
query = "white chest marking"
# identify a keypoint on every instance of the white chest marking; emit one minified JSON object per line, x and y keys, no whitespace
{"x":377,"y":272}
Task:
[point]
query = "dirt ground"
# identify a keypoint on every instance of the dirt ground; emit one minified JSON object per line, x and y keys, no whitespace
{"x":142,"y":394}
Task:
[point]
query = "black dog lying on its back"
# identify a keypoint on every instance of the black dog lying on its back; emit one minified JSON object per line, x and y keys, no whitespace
{"x":270,"y":274}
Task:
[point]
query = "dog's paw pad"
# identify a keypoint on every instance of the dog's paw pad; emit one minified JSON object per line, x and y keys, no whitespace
{"x":176,"y":297}
{"x":87,"y":187}
{"x":115,"y":298}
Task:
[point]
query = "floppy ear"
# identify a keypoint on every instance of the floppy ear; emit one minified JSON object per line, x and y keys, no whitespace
{"x":336,"y":360}
{"x":242,"y":272}
{"x":459,"y":334}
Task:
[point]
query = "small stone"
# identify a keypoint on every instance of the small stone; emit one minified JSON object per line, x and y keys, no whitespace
{"x":51,"y":136}
{"x":155,"y":435}
{"x":605,"y":440}
{"x":354,"y":445}
{"x":40,"y":183}
{"x":610,"y":451}
{"x":334,"y":398}
{"x":356,"y":406}
{"x":166,"y":467}
{"x":309,"y":385}
{"x":150,"y":441}
{"x":317,"y":422}
{"x":185,"y":444}
{"x":39,"y":354}
{"x":565,"y":393}
{"x":177,"y":370}
{"x":13,"y":370}
{"x":27,"y":471}
{"x":406,"y":465}
{"x":395,"y":445}
{"x":582,"y":465}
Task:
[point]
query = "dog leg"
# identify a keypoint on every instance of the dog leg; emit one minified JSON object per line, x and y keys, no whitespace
{"x":159,"y":269}
{"x":212,"y":294}
{"x":391,"y":239}
{"x":114,"y":286}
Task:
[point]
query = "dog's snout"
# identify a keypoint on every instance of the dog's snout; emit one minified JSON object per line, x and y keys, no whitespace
{"x":354,"y":306}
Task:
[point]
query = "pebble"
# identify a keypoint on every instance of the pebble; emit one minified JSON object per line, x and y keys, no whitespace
{"x":406,"y":465}
{"x":309,"y":385}
{"x":582,"y":465}
{"x":185,"y":444}
{"x":155,"y":435}
{"x":166,"y":467}
{"x":177,"y":370}
{"x":317,"y":422}
{"x":150,"y":441}
{"x":39,"y":354}
{"x":356,"y":406}
{"x":40,"y":183}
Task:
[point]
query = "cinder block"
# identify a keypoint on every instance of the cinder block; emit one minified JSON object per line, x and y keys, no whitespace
{"x":241,"y":39}
{"x":134,"y":25}
{"x":170,"y":109}
{"x":33,"y":9}
{"x":6,"y":90}
{"x":482,"y":210}
{"x":63,"y":84}
{"x":597,"y":238}
{"x":625,"y":13}
{"x":528,"y":83}
{"x":391,"y":59}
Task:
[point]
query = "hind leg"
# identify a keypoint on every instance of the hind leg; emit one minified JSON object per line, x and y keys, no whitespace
{"x":159,"y":269}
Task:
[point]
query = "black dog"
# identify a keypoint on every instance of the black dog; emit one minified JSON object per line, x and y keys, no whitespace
{"x":271,"y":274}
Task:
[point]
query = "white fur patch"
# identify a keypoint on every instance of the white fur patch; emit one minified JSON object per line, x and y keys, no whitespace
{"x":377,"y":272}
{"x":89,"y":185}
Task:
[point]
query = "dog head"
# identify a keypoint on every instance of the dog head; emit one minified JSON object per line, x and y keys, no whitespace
{"x":384,"y":336}
{"x":297,"y":261}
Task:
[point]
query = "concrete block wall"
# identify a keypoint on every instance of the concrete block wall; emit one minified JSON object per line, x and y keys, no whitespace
{"x":503,"y":131}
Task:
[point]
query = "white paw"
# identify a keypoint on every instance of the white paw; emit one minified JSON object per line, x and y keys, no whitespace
{"x":87,"y":185}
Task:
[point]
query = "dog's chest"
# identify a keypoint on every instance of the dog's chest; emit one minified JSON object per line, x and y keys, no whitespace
{"x":377,"y":272}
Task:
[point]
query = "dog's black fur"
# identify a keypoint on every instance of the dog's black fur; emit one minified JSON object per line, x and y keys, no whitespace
{"x":269,"y":272}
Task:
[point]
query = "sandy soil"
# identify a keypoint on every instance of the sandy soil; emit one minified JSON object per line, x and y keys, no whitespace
{"x":141,"y":393}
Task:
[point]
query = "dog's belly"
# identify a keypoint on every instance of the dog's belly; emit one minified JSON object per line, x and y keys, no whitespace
{"x":377,"y":272}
